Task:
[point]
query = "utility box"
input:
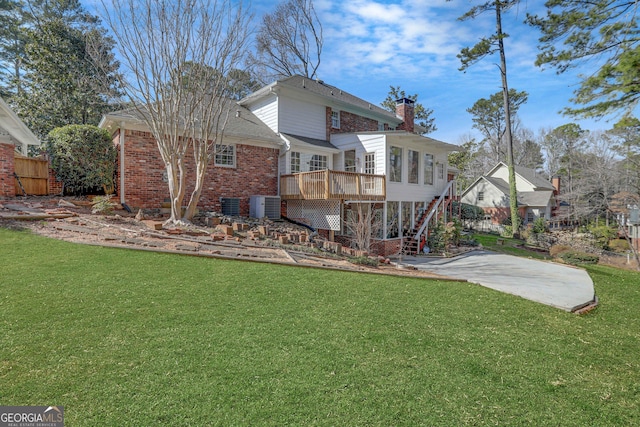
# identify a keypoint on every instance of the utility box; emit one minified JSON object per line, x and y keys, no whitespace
{"x":264,"y":206}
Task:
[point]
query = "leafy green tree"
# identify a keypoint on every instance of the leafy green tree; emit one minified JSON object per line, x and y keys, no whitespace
{"x":494,"y":43}
{"x":11,"y":46}
{"x":465,"y":161}
{"x":489,"y":117}
{"x":83,"y":157}
{"x":70,"y":74}
{"x":577,"y":31}
{"x":567,"y":140}
{"x":422,"y":114}
{"x":626,"y":134}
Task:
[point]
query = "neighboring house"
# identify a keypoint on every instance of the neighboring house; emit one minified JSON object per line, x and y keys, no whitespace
{"x":15,"y":138}
{"x":536,"y":196}
{"x":626,"y":207}
{"x":318,"y":148}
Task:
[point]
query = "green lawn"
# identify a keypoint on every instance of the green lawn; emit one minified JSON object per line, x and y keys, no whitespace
{"x":508,"y":246}
{"x":126,"y":338}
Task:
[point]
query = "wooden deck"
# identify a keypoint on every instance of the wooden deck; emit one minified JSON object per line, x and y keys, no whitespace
{"x":329,"y":184}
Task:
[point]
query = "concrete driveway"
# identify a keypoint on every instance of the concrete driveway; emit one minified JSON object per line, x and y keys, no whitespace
{"x":549,"y":283}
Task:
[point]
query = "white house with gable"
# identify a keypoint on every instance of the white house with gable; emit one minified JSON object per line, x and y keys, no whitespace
{"x":340,"y":150}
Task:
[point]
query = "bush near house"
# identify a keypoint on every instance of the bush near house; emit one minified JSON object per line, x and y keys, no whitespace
{"x":83,"y":158}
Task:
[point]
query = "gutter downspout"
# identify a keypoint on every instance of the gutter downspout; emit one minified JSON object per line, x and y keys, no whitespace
{"x":122,"y":199}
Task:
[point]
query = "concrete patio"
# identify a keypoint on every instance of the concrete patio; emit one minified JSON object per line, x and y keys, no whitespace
{"x":562,"y":286}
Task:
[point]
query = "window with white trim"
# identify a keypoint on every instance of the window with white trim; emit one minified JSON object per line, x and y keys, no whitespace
{"x":335,"y":119}
{"x":414,"y":161}
{"x":480,"y":196}
{"x":370,"y":163}
{"x":295,"y":162}
{"x":395,"y":164}
{"x":428,"y":169}
{"x":225,"y":155}
{"x":318,"y":162}
{"x":440,"y":171}
{"x":350,"y":161}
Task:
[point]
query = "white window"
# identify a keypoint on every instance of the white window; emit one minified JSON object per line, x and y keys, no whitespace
{"x":395,"y":164}
{"x":225,"y":155}
{"x":428,"y":169}
{"x":335,"y":119}
{"x":480,"y":196}
{"x":350,"y":161}
{"x":414,"y":161}
{"x":440,"y":171}
{"x":318,"y":163}
{"x":370,"y":163}
{"x":295,"y":162}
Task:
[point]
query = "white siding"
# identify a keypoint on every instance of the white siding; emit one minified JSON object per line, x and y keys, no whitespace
{"x":521,"y":184}
{"x":492,"y":197}
{"x":267,"y":111}
{"x":301,"y":118}
{"x":362,"y":144}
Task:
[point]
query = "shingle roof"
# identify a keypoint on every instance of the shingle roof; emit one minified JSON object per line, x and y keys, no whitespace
{"x":531,"y":176}
{"x":327,"y":91}
{"x":525,"y":198}
{"x":311,"y":141}
{"x":242,"y":122}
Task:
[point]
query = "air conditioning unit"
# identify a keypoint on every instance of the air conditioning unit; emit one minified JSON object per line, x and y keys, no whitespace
{"x":264,"y":206}
{"x":230,"y":206}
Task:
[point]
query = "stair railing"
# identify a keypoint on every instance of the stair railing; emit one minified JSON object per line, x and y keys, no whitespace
{"x":424,"y":229}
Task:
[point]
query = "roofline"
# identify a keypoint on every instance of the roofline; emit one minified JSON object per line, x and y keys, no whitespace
{"x":108,"y":120}
{"x":278,"y":84}
{"x":23,"y":132}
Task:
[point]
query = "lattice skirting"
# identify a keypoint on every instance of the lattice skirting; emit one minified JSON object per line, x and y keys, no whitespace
{"x":323,"y":214}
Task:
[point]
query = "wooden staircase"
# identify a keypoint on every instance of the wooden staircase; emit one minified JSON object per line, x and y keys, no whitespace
{"x":411,"y":244}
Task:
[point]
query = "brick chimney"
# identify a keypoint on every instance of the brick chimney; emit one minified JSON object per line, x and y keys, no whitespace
{"x":404,"y":109}
{"x":555,"y":181}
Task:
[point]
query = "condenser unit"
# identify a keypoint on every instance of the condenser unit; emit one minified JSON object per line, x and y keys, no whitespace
{"x":264,"y":206}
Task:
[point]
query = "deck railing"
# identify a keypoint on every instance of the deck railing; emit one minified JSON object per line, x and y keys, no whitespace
{"x":329,"y":184}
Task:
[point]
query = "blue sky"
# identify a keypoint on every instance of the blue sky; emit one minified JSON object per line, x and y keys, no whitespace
{"x":372,"y":44}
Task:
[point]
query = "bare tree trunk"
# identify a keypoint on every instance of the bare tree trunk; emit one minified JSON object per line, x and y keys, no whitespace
{"x":513,"y":192}
{"x":177,"y":57}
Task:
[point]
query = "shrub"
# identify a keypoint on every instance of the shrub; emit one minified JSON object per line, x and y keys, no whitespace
{"x":539,"y":226}
{"x":618,"y":245}
{"x":102,"y":205}
{"x":556,"y":250}
{"x":507,"y":231}
{"x":578,"y":258}
{"x":602,"y":234}
{"x":467,"y":211}
{"x":364,"y":260}
{"x":83,"y":158}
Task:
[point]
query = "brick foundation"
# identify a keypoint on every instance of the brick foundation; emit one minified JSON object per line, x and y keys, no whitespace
{"x":7,"y":168}
{"x":255,"y":173}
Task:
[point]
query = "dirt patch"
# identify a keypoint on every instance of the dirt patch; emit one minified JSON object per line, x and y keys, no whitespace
{"x":233,"y":238}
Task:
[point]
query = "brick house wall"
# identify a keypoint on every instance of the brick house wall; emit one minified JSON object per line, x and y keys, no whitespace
{"x":350,"y":122}
{"x":255,"y":173}
{"x":7,"y":168}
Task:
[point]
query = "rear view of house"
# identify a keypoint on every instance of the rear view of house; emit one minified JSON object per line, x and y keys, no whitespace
{"x":321,"y":150}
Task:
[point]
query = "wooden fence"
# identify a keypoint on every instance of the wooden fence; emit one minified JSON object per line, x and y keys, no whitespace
{"x":33,"y":174}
